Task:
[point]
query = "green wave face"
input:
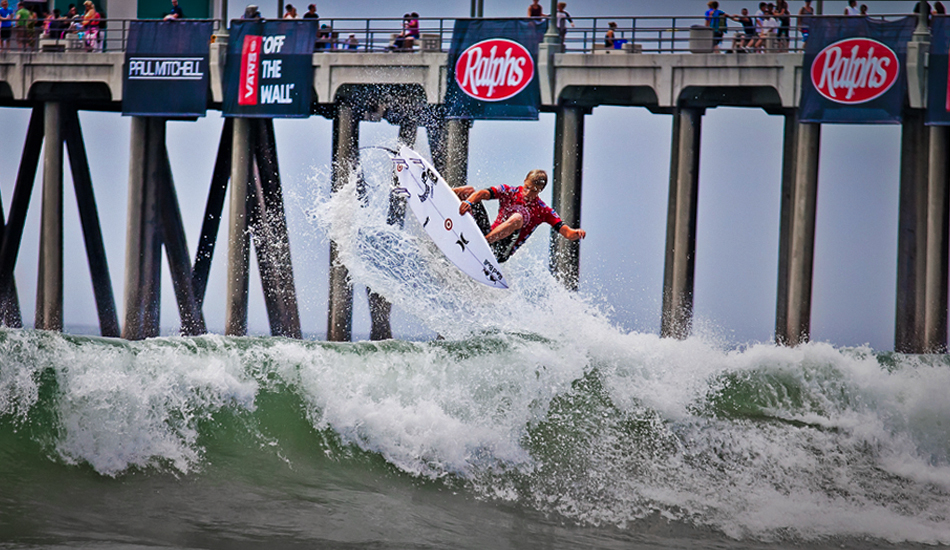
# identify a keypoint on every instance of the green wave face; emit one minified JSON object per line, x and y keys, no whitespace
{"x":763,"y":443}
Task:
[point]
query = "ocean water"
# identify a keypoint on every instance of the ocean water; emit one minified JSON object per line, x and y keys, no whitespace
{"x":532,"y":422}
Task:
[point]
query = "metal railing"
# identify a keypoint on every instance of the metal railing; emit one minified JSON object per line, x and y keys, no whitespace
{"x":650,"y":34}
{"x":107,"y":35}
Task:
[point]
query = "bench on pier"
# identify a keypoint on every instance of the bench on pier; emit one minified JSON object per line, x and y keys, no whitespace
{"x":70,"y":43}
{"x":426,"y":42}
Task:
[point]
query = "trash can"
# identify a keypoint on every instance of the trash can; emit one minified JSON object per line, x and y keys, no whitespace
{"x":700,"y":39}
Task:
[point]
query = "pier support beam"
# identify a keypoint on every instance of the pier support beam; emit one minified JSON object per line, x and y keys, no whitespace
{"x":797,"y":231}
{"x":19,"y":206}
{"x":921,"y":309}
{"x":448,"y":141}
{"x":91,"y":227}
{"x":938,"y":241}
{"x":681,"y":224}
{"x":566,"y":192}
{"x":271,"y":240}
{"x":456,"y":151}
{"x":238,"y":239}
{"x":345,"y":157}
{"x":49,"y":292}
{"x":379,"y":307}
{"x":213,"y":210}
{"x":143,"y":251}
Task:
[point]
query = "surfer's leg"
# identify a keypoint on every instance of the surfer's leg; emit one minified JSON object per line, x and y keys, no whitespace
{"x":506,"y":228}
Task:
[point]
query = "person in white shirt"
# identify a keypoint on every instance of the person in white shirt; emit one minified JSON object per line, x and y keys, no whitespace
{"x":852,"y":8}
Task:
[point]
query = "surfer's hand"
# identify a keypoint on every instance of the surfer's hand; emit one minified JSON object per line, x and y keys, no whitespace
{"x":465,"y":207}
{"x":575,"y":234}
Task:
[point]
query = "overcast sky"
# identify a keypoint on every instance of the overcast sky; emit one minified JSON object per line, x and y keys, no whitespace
{"x":625,"y":189}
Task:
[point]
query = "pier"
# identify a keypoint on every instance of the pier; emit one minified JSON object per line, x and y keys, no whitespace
{"x":408,"y":89}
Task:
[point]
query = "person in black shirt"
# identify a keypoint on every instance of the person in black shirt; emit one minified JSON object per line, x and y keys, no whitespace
{"x":175,"y":13}
{"x":743,"y":39}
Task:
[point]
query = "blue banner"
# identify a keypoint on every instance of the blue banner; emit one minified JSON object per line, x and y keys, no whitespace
{"x":493,"y":69}
{"x":166,"y":69}
{"x":854,"y":70}
{"x":269,"y":70}
{"x":938,"y":92}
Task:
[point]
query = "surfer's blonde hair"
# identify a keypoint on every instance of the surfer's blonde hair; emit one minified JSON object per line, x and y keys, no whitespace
{"x":538,"y":177}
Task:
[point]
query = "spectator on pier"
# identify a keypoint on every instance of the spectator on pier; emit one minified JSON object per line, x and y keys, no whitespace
{"x":6,"y":24}
{"x":290,"y":12}
{"x":251,"y":12}
{"x":939,"y":9}
{"x":716,"y":20}
{"x":324,"y":38}
{"x":410,"y":32}
{"x":311,"y":12}
{"x":804,"y":19}
{"x":864,"y":10}
{"x":25,"y":22}
{"x":767,"y":26}
{"x":59,"y":25}
{"x":412,"y":28}
{"x":760,"y":17}
{"x":610,"y":38}
{"x":852,"y":8}
{"x":783,"y":16}
{"x":563,"y":18}
{"x":535,"y":9}
{"x":352,"y":43}
{"x":90,"y":26}
{"x":744,"y":39}
{"x":175,"y":13}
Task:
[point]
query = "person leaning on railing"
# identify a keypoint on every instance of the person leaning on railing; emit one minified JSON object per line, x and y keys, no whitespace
{"x":6,"y":24}
{"x":744,"y":38}
{"x":25,"y":20}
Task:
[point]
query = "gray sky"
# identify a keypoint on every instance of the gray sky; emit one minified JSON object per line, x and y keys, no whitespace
{"x":625,"y":187}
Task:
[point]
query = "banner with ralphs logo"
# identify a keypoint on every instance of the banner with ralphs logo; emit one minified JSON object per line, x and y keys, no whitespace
{"x":166,"y":69}
{"x":269,"y":70}
{"x":493,"y":69}
{"x":938,"y":87}
{"x":855,"y":70}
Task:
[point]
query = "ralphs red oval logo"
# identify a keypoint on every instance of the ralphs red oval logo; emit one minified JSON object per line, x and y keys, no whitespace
{"x":494,"y":69}
{"x":854,"y":70}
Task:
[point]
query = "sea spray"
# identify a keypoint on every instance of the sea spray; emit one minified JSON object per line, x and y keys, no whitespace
{"x":762,"y":443}
{"x":534,"y":401}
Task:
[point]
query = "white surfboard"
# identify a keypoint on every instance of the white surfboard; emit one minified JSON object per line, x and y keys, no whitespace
{"x":437,"y":208}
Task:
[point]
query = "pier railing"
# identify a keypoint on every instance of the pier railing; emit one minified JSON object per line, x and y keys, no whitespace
{"x":641,"y":34}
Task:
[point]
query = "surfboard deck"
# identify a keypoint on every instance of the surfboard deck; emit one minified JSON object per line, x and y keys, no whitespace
{"x":436,"y":207}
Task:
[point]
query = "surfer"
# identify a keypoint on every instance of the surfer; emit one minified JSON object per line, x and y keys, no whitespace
{"x":520,"y":212}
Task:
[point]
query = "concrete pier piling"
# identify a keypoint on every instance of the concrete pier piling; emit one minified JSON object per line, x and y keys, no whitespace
{"x":238,"y":238}
{"x":797,"y":231}
{"x":143,"y":256}
{"x":921,"y":309}
{"x":566,"y":192}
{"x":680,"y":264}
{"x":346,"y":139}
{"x":938,"y":241}
{"x":49,"y":289}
